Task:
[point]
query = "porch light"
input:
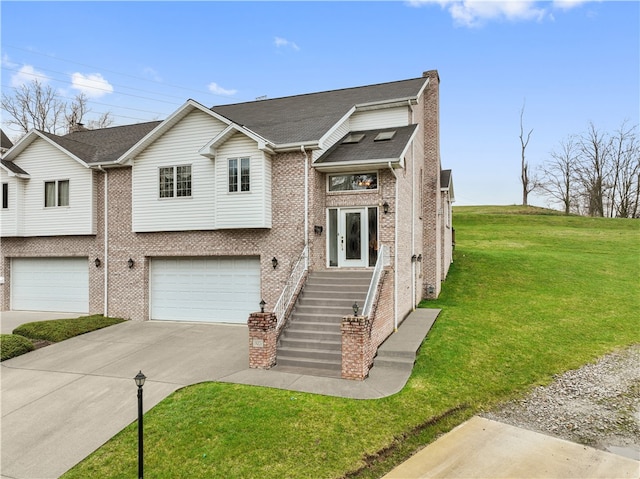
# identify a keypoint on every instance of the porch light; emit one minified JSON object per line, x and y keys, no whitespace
{"x":274,"y":262}
{"x":385,"y":207}
{"x":97,"y":262}
{"x":262,"y":305}
{"x":414,"y":258}
{"x":355,"y":309}
{"x":317,"y":230}
{"x":130,"y":263}
{"x":419,"y":258}
{"x":431,"y":290}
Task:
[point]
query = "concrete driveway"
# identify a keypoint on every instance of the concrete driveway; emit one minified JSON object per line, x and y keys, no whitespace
{"x":62,"y":402}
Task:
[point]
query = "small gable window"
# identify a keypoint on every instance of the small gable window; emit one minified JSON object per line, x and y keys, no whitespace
{"x":175,"y":181}
{"x":5,"y":196}
{"x":353,"y":182}
{"x":56,"y":193}
{"x":239,"y":174}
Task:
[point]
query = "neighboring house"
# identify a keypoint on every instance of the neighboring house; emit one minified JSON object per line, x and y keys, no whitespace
{"x":203,"y":215}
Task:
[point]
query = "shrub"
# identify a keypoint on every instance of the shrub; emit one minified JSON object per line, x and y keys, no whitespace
{"x":60,"y":329}
{"x":12,"y":345}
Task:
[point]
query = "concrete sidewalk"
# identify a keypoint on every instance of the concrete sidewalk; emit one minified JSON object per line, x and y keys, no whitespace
{"x":62,"y":402}
{"x":482,"y":448}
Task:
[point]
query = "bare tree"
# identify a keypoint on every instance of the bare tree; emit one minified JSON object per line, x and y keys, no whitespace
{"x":528,"y":184}
{"x":625,"y":168}
{"x":35,"y":105}
{"x":557,"y":175}
{"x":594,"y":169}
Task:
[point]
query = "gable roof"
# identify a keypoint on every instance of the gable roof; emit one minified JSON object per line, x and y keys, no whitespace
{"x":367,"y":151}
{"x":306,"y":118}
{"x":13,"y":169}
{"x":446,"y":183}
{"x":91,"y":147}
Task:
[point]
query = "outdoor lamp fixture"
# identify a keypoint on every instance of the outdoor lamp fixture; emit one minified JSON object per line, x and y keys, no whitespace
{"x":131,"y":263}
{"x":431,"y":289}
{"x":97,"y":262}
{"x":385,"y":207}
{"x":414,"y":258}
{"x":274,"y":262}
{"x":262,"y":304}
{"x":139,"y":379}
{"x":317,"y":230}
{"x":419,"y":258}
{"x":355,"y":309}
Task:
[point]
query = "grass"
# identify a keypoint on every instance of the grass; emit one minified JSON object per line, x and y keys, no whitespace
{"x":531,"y":294}
{"x":60,"y":329}
{"x":12,"y":345}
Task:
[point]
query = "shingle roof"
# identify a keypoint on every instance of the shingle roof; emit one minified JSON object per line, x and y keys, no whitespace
{"x":11,"y":166}
{"x":445,"y":178}
{"x":367,"y":149}
{"x":105,"y":144}
{"x":308,"y":117}
{"x":5,"y":142}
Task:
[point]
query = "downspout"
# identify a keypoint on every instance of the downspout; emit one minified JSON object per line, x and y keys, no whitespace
{"x":106,"y":241}
{"x":413,"y":223}
{"x":306,"y":204}
{"x":395,"y":256}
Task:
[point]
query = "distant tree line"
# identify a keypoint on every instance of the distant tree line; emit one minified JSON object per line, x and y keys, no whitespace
{"x":36,"y":105}
{"x":594,"y":173}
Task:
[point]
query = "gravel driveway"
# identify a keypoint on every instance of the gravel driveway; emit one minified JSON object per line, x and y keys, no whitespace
{"x":597,"y":405}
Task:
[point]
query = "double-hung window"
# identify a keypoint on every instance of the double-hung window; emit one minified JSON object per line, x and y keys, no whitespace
{"x":174,"y":181}
{"x":5,"y":196}
{"x":239,"y":174}
{"x":56,"y":193}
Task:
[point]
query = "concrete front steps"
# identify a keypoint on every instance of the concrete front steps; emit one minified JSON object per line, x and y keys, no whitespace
{"x":311,"y":342}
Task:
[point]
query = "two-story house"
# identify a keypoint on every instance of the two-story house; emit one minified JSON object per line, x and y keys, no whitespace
{"x":202,"y":216}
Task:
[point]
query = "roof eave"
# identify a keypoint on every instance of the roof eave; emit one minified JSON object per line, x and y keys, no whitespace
{"x":376,"y":164}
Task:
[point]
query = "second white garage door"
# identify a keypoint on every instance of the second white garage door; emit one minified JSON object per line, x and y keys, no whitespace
{"x":211,"y":289}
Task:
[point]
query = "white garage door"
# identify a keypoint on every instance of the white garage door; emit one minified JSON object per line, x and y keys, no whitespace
{"x":50,"y":284}
{"x":208,"y":289}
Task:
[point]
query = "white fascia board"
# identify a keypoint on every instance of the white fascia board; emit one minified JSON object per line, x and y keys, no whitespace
{"x":336,"y":125}
{"x":424,"y":86}
{"x":307,"y":145}
{"x":209,"y":150}
{"x":378,"y":163}
{"x":379,"y":105}
{"x":29,"y":138}
{"x":411,"y":138}
{"x":169,"y":122}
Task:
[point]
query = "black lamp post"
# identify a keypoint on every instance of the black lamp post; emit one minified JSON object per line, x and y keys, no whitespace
{"x":355,"y":309}
{"x":139,"y":379}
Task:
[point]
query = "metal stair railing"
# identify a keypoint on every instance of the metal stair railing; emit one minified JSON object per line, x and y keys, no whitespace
{"x":291,"y":287}
{"x":375,"y":279}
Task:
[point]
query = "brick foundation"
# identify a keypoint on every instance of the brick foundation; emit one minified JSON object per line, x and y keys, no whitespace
{"x":262,"y":340}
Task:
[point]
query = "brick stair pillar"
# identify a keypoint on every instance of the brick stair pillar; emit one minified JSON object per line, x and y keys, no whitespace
{"x":262,"y":340}
{"x":356,"y":347}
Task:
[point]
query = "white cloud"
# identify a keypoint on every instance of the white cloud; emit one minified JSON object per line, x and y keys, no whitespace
{"x":94,"y":85}
{"x":26,"y":74}
{"x":473,"y":13}
{"x":218,"y":90}
{"x":284,"y":43}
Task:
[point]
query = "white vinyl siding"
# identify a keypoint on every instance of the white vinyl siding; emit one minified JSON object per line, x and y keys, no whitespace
{"x":243,"y":209}
{"x":9,"y":215}
{"x":376,"y":119}
{"x":178,"y":146}
{"x":210,"y":289}
{"x":336,"y":135}
{"x":45,"y":163}
{"x":50,"y":284}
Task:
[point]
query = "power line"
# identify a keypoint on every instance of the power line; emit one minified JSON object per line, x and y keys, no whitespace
{"x":114,"y":72}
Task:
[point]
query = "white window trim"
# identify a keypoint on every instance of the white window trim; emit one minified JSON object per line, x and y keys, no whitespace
{"x":239,"y":175}
{"x":351,"y":192}
{"x":56,"y":193}
{"x":174,"y":191}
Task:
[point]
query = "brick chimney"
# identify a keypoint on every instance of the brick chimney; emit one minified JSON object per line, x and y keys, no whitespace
{"x":77,"y":127}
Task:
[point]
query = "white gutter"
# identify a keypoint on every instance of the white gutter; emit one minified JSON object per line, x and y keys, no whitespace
{"x":306,"y":203}
{"x":106,"y":241}
{"x":395,"y":257}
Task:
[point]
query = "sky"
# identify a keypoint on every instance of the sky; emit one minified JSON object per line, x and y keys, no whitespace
{"x":567,"y":63}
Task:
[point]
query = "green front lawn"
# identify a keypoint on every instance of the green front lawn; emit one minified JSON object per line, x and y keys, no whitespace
{"x":530,"y":295}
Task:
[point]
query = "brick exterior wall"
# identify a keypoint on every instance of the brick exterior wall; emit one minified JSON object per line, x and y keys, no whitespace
{"x":356,"y":346}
